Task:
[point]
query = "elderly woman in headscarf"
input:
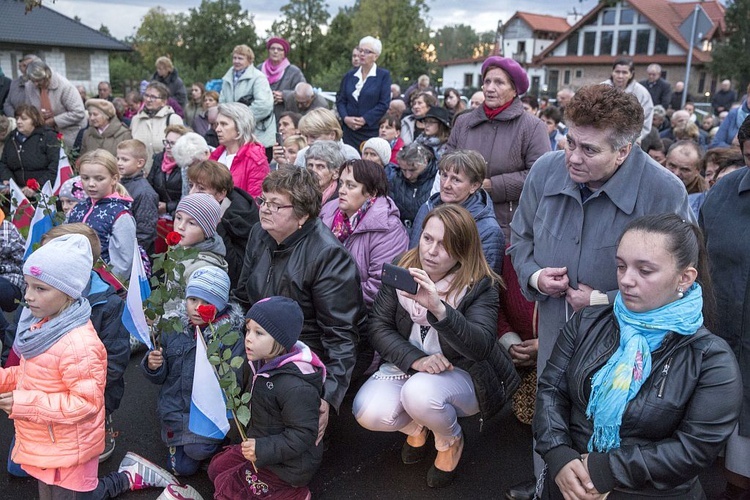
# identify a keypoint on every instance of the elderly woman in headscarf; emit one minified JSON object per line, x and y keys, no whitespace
{"x":364,"y":95}
{"x":282,"y":75}
{"x":105,"y":130}
{"x":509,"y":139}
{"x":57,"y":99}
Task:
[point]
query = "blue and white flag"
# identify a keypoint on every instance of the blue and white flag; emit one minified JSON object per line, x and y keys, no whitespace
{"x":208,"y":413}
{"x":41,"y":222}
{"x":139,"y":290}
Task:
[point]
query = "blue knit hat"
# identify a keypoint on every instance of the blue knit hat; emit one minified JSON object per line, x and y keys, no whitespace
{"x":210,"y":284}
{"x":279,"y":316}
{"x":64,"y":263}
{"x":204,"y":209}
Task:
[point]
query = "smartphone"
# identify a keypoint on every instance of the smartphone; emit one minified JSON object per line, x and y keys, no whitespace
{"x":398,"y":278}
{"x":279,"y":139}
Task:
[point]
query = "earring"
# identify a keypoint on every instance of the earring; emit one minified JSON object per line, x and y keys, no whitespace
{"x":680,"y":293}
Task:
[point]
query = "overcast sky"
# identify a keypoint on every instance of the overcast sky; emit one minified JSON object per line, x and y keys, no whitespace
{"x":122,"y":17}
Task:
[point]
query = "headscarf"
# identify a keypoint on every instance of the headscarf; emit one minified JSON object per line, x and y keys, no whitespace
{"x":620,"y":379}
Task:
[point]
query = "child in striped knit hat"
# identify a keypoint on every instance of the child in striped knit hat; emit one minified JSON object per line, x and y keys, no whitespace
{"x":195,"y":221}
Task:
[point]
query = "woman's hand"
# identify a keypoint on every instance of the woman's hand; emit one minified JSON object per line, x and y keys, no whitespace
{"x":322,"y":420}
{"x":155,"y":359}
{"x":575,"y":483}
{"x":278,"y":96}
{"x":427,"y":295}
{"x":524,"y":354}
{"x":580,"y":298}
{"x":354,"y":122}
{"x":279,"y":154}
{"x":436,"y":363}
{"x":248,"y":450}
{"x":6,"y":402}
{"x":162,"y":208}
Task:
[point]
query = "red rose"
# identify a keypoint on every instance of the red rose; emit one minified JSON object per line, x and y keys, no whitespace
{"x":173,"y":238}
{"x":59,"y":136}
{"x":33,"y":184}
{"x":207,"y":312}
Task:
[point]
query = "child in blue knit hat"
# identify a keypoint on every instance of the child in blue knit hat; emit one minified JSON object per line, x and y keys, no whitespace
{"x":282,"y":451}
{"x":173,"y":365}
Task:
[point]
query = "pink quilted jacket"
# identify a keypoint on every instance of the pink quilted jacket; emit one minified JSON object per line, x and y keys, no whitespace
{"x":58,"y":401}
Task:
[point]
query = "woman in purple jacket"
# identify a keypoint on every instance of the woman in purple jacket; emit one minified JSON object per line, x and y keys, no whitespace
{"x":366,"y":221}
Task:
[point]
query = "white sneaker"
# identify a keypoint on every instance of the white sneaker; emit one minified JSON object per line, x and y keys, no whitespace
{"x":179,"y":492}
{"x":144,"y":474}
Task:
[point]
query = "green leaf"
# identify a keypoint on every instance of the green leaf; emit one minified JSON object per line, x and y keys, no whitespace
{"x":226,"y":355}
{"x":245,"y":399}
{"x":230,"y":338}
{"x":237,"y":362}
{"x":243,"y":415}
{"x":214,"y":359}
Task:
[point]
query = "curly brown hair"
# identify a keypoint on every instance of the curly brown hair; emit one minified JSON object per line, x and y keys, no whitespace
{"x":605,"y":107}
{"x":300,"y":184}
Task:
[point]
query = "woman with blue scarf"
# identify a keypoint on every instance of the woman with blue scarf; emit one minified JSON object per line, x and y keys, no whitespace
{"x":639,"y":398}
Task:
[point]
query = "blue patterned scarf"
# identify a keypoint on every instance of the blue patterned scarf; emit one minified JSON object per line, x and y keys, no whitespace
{"x":620,"y":379}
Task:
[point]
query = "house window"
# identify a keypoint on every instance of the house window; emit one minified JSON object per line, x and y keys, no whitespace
{"x":468,"y":80}
{"x":608,"y":17}
{"x":702,"y":82}
{"x":661,"y":44}
{"x":627,"y":16}
{"x":566,"y":77}
{"x":573,"y":44}
{"x":78,"y":65}
{"x":623,"y":42}
{"x":553,"y":81}
{"x":605,"y":44}
{"x":579,"y":73}
{"x":641,"y":41}
{"x":589,"y":43}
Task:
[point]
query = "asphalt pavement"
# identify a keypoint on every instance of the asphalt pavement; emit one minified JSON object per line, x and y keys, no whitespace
{"x":359,"y":464}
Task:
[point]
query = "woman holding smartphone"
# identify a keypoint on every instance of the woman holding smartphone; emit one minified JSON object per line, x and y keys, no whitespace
{"x":441,"y":358}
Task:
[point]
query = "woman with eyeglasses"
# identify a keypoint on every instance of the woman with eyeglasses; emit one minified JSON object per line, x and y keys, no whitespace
{"x":148,"y":126}
{"x":364,"y":95}
{"x":293,"y":254}
{"x":166,"y":179}
{"x":282,"y":75}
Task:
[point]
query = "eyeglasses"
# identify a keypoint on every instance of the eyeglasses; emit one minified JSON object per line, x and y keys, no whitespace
{"x":275,"y":49}
{"x":273,"y":207}
{"x":168,"y":144}
{"x":152,"y":97}
{"x":366,"y":52}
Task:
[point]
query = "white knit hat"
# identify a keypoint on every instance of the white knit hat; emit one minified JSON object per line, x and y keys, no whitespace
{"x":381,"y":148}
{"x":63,"y":263}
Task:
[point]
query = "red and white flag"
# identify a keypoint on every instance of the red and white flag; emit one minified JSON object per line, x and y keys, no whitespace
{"x":64,"y":172}
{"x":21,"y":209}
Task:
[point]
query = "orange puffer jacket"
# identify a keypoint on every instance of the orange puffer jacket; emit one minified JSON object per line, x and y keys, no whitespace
{"x":58,"y":401}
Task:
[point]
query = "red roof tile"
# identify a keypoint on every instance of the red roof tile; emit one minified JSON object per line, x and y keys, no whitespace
{"x":543,"y":22}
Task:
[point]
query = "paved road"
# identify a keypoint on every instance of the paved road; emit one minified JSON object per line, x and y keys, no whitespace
{"x":359,"y":464}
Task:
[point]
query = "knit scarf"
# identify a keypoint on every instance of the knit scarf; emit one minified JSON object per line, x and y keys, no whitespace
{"x":274,"y":73}
{"x":492,"y":113}
{"x":620,"y":379}
{"x":167,"y":164}
{"x":343,"y":225}
{"x":35,"y":336}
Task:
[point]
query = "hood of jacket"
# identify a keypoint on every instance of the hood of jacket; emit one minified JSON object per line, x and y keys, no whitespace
{"x":375,"y":220}
{"x":98,"y":290}
{"x":301,"y":361}
{"x":213,"y":244}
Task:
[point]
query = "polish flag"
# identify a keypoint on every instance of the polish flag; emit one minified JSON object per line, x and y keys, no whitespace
{"x":64,"y":172}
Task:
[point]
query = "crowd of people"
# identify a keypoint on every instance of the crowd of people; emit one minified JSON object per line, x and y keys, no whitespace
{"x":422,"y":255}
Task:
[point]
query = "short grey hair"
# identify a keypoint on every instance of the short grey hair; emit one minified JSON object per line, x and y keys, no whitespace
{"x":304,"y":89}
{"x":243,"y":119}
{"x":660,"y":111}
{"x":38,"y":70}
{"x":654,"y":67}
{"x":327,"y":151}
{"x":415,"y":154}
{"x":190,"y":148}
{"x":373,"y":42}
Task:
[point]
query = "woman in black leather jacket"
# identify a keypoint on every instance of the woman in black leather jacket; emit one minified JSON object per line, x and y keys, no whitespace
{"x":638,"y":399}
{"x":442,"y":358}
{"x":293,"y":254}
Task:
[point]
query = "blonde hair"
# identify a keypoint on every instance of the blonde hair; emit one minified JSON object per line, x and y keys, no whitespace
{"x":320,"y":121}
{"x":108,"y":161}
{"x":296,"y":140}
{"x":165,"y":62}
{"x":135,"y":148}
{"x":245,"y":51}
{"x":461,"y":241}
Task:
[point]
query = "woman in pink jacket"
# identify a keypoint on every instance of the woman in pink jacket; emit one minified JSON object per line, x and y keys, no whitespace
{"x":238,"y":148}
{"x":56,"y":394}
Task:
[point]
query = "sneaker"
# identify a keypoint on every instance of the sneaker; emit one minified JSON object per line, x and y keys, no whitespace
{"x":179,"y":492}
{"x":109,"y":440}
{"x":144,"y":474}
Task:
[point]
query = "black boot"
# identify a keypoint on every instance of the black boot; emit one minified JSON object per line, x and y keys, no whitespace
{"x":521,"y":491}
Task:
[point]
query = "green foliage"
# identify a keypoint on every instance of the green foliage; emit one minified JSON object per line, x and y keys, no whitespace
{"x":730,"y":56}
{"x":455,"y":42}
{"x":160,"y":34}
{"x":227,"y":368}
{"x":301,"y":27}
{"x":335,"y":52}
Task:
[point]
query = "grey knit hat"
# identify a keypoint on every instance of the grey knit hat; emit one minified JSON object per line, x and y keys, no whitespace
{"x":64,"y":263}
{"x":281,"y":317}
{"x":210,"y":284}
{"x":381,"y":148}
{"x":204,"y":209}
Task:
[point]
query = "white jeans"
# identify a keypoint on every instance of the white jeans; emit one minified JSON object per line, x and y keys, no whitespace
{"x":422,"y":400}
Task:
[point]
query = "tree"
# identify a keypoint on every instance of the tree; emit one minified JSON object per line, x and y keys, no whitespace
{"x":400,"y":26}
{"x":730,"y":55}
{"x":334,"y":52}
{"x":301,"y":27}
{"x":455,"y":42}
{"x":104,"y":30}
{"x":160,"y":34}
{"x":211,"y":32}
